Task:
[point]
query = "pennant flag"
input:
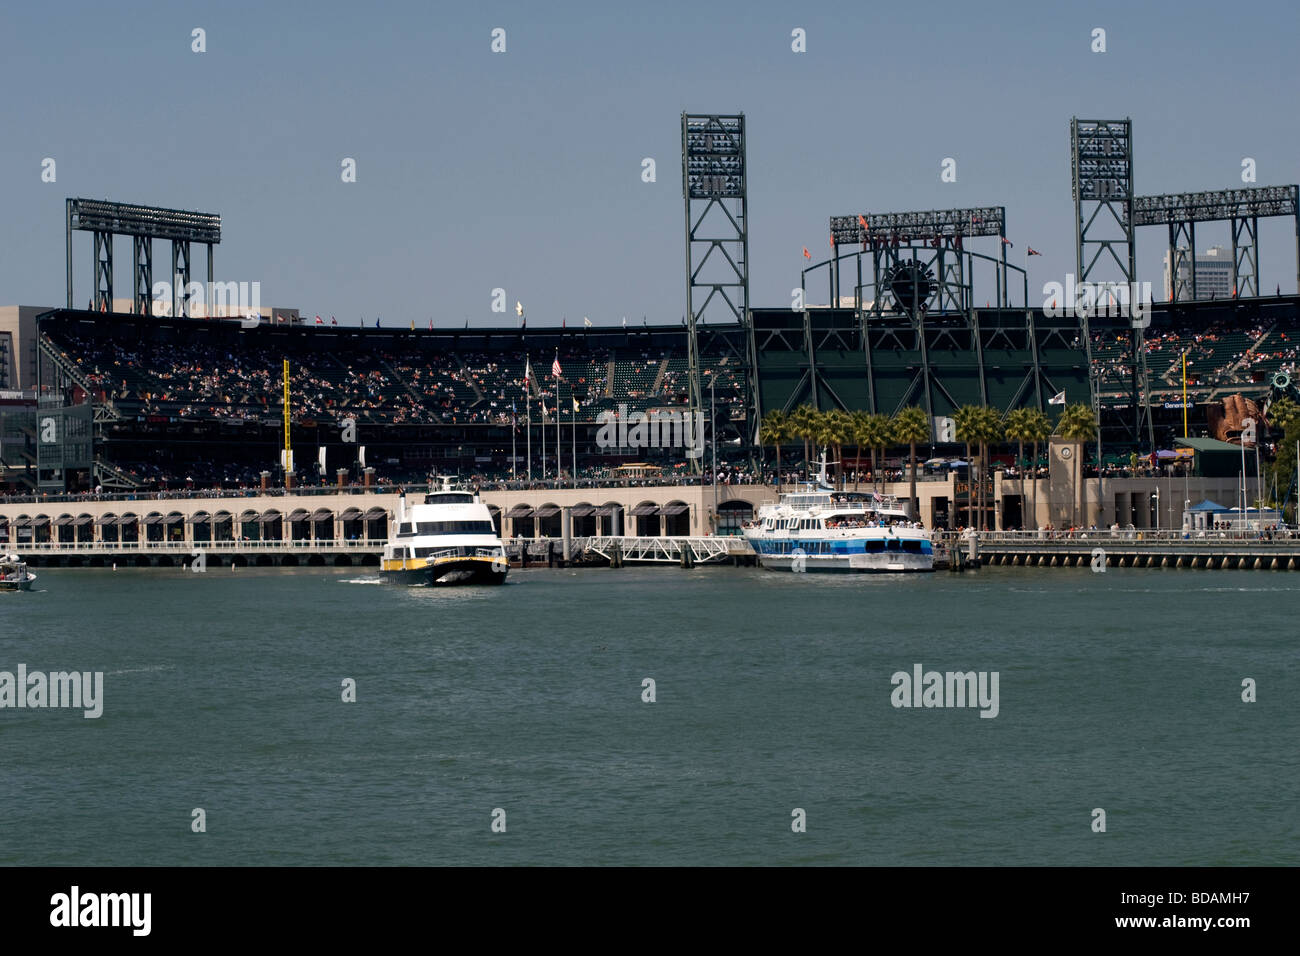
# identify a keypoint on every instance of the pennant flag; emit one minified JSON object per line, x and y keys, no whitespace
{"x":1057,"y":399}
{"x":586,"y":322}
{"x":319,"y":320}
{"x":806,"y":253}
{"x":519,"y":309}
{"x":555,"y":366}
{"x":333,"y":321}
{"x":1033,"y":251}
{"x":862,"y":221}
{"x":376,"y":321}
{"x":1008,"y":242}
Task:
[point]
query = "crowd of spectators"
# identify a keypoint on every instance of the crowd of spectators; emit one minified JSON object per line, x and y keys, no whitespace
{"x":195,"y":380}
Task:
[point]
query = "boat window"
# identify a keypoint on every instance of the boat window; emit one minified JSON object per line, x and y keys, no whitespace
{"x":449,"y":498}
{"x":404,"y":530}
{"x":456,"y":527}
{"x":912,"y":546}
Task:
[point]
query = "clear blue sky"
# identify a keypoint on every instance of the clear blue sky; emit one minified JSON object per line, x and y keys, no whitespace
{"x":522,"y":170}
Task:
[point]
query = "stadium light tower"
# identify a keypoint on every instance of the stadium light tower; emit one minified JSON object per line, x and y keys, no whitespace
{"x":1101,"y":179}
{"x":714,"y":188}
{"x":143,"y":224}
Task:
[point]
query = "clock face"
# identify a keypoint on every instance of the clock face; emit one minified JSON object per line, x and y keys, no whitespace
{"x":1066,"y":453}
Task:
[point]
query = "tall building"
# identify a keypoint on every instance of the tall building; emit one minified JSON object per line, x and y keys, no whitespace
{"x":1213,"y":274}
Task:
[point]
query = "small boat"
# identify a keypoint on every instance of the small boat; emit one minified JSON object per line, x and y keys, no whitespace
{"x":14,"y":575}
{"x":448,"y":539}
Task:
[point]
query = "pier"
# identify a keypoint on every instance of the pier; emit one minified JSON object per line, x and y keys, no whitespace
{"x":1275,"y":551}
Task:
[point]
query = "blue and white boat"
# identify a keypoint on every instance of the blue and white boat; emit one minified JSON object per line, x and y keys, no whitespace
{"x":821,"y":529}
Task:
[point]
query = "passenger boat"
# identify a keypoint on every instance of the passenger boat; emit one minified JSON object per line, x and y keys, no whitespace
{"x":448,"y":539}
{"x":821,"y":529}
{"x":14,"y":575}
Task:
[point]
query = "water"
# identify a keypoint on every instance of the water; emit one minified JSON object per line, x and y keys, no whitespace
{"x":223,"y":691}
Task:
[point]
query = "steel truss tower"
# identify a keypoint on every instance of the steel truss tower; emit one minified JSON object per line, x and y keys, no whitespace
{"x":715,"y":194}
{"x":1101,"y":178}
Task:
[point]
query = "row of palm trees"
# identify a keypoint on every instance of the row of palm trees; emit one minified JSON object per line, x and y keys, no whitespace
{"x":976,"y":426}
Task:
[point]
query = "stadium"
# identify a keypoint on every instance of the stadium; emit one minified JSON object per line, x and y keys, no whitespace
{"x":916,"y":309}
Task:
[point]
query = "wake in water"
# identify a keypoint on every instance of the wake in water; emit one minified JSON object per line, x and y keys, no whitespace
{"x":374,"y":580}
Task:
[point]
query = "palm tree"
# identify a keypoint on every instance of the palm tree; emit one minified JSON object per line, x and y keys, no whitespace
{"x":989,"y":431}
{"x":1283,"y":412}
{"x":1037,"y":429}
{"x":774,"y":430}
{"x":843,"y":435}
{"x":803,"y":425}
{"x":1016,"y":423}
{"x":966,"y":421}
{"x":857,"y":428}
{"x":877,"y":432}
{"x":910,"y":426}
{"x":825,"y":431}
{"x":1078,"y":424}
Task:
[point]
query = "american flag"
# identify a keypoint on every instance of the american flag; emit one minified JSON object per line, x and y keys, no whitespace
{"x":555,"y":367}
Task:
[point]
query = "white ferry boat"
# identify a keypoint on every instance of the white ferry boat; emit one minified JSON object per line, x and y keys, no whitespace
{"x":820,"y":529}
{"x":448,"y":539}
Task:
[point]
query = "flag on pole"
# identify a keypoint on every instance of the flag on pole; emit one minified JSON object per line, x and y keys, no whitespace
{"x":376,"y":321}
{"x":625,"y":321}
{"x":430,"y":323}
{"x":862,"y":221}
{"x":519,"y":309}
{"x":575,"y":406}
{"x":806,"y":253}
{"x":514,"y":416}
{"x":586,"y":322}
{"x":413,"y":325}
{"x":555,"y":366}
{"x":333,"y":321}
{"x":528,"y":376}
{"x":1057,"y":399}
{"x":832,"y":240}
{"x":1033,"y":251}
{"x":319,"y":320}
{"x":1008,"y":242}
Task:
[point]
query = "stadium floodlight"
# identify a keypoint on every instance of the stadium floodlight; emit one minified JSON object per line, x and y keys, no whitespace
{"x":1253,"y":202}
{"x":975,"y":221}
{"x":143,"y":224}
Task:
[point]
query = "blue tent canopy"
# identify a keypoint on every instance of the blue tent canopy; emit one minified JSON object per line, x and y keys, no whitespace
{"x":1209,"y":506}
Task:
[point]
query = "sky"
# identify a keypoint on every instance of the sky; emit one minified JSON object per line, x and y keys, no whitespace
{"x":523,"y":170}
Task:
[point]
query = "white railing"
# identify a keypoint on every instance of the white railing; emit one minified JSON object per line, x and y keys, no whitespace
{"x":187,"y":547}
{"x":1207,"y":537}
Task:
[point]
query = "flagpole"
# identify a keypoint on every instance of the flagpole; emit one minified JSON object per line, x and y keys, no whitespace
{"x":528,"y":429}
{"x":559,"y":448}
{"x":1184,"y":394}
{"x":543,"y":430}
{"x":514,"y":435}
{"x":574,"y":443}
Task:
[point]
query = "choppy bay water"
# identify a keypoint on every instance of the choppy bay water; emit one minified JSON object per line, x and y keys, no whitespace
{"x":1119,"y":691}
